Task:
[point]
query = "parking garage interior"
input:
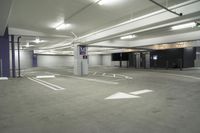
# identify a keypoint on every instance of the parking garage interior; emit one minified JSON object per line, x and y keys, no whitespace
{"x":99,"y":66}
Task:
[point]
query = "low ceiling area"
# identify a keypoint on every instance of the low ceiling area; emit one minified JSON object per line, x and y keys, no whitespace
{"x":37,"y":20}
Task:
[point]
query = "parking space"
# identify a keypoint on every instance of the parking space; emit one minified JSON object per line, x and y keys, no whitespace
{"x":149,"y":102}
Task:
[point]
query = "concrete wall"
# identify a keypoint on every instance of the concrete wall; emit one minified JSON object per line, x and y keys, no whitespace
{"x":95,"y":60}
{"x":55,"y":60}
{"x":52,"y":60}
{"x":107,"y":60}
{"x":197,"y":60}
{"x":25,"y":59}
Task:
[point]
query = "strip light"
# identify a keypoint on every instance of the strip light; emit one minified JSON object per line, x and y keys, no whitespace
{"x":184,"y":26}
{"x":37,"y":40}
{"x":104,"y":2}
{"x":62,"y":26}
{"x":128,"y":37}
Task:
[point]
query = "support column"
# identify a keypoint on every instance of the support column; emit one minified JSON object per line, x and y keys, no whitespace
{"x":138,"y":60}
{"x":80,"y":60}
{"x":120,"y":62}
{"x":34,"y":59}
{"x":13,"y":56}
{"x":4,"y":55}
{"x":147,"y":60}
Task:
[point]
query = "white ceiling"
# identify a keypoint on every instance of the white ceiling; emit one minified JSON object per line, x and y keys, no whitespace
{"x":40,"y":17}
{"x":5,"y":8}
{"x":44,"y":15}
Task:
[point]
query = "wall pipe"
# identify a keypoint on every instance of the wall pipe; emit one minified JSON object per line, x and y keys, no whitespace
{"x":178,"y":14}
{"x":18,"y":48}
{"x":13,"y":56}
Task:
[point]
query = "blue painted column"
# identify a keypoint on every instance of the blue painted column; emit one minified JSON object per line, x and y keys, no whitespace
{"x":4,"y":54}
{"x":34,"y":59}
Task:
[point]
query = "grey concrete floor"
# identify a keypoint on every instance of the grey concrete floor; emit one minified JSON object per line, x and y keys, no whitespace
{"x":173,"y":106}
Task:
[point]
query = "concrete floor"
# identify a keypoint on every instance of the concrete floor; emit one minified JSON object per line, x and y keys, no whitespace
{"x":30,"y":107}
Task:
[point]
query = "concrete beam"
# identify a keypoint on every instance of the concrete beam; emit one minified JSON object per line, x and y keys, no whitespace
{"x":187,"y":8}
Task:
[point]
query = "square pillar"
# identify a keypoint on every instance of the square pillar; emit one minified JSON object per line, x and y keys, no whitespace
{"x":4,"y":55}
{"x":138,"y":60}
{"x":80,"y":60}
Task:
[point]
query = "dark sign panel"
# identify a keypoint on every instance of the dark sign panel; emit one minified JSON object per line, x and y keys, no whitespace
{"x":83,"y":50}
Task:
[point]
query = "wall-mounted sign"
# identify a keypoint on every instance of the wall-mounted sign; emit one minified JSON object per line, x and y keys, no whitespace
{"x":83,"y":50}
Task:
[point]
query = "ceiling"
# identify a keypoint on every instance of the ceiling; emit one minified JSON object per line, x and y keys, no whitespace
{"x":5,"y":7}
{"x":38,"y":18}
{"x":43,"y":16}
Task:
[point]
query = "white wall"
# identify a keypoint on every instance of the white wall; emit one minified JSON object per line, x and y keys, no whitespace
{"x":25,"y":59}
{"x":107,"y":60}
{"x":95,"y":60}
{"x":54,"y":61}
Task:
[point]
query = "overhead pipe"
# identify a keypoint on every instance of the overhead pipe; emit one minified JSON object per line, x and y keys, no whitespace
{"x":178,"y":14}
{"x":13,"y":56}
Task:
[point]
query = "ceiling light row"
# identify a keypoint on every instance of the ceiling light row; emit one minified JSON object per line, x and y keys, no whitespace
{"x":176,"y":27}
{"x":184,"y":26}
{"x":64,"y":25}
{"x":128,"y":37}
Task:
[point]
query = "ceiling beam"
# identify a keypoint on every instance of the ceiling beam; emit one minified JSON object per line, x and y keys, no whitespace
{"x":187,"y":8}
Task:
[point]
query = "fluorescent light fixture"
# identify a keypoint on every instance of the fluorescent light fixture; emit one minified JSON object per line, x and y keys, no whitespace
{"x":184,"y":26}
{"x":27,"y":44}
{"x":62,"y":26}
{"x":37,"y":40}
{"x":128,"y":37}
{"x":106,"y":2}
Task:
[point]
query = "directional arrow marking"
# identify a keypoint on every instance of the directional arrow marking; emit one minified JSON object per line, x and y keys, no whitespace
{"x":121,"y":95}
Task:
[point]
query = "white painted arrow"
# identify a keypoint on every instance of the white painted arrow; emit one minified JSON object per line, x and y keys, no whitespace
{"x":121,"y":95}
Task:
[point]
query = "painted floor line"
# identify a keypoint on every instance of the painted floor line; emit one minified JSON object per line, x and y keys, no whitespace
{"x":140,"y":92}
{"x":45,"y":76}
{"x":95,"y":80}
{"x":47,"y":84}
{"x":3,"y":78}
{"x":56,"y":86}
{"x":186,"y":76}
{"x":53,"y":73}
{"x":127,"y":77}
{"x":43,"y":84}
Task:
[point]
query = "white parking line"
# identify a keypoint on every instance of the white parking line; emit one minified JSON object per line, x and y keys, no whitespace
{"x":140,"y":92}
{"x":47,"y":84}
{"x":45,"y":76}
{"x":185,"y":76}
{"x":95,"y":80}
{"x":3,"y":78}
